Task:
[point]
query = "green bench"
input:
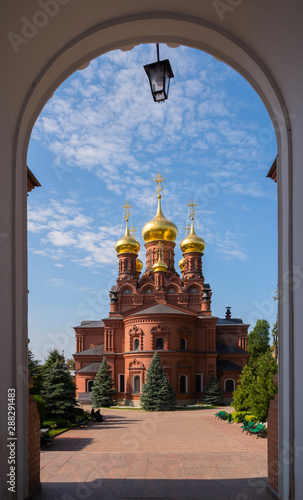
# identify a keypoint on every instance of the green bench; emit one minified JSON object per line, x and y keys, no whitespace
{"x":259,"y":430}
{"x":221,"y":415}
{"x":247,"y":425}
{"x":45,"y":439}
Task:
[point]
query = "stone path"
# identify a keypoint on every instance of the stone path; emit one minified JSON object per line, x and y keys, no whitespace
{"x":170,"y":455}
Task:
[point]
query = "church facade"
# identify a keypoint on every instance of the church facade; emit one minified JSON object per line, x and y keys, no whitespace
{"x":161,"y":310}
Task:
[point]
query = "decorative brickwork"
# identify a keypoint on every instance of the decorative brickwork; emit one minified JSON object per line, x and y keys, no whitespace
{"x":33,"y":446}
{"x":273,"y":451}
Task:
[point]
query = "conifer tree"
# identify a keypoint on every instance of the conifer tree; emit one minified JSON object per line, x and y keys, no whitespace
{"x":213,"y":395}
{"x":103,"y":390}
{"x":59,"y":391}
{"x":157,"y":392}
{"x":263,"y":389}
{"x":242,"y":392}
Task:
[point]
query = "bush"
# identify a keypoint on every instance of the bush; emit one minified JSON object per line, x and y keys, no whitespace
{"x":78,"y":412}
{"x":40,"y":406}
{"x":238,"y":416}
{"x":251,"y":418}
{"x":60,"y":423}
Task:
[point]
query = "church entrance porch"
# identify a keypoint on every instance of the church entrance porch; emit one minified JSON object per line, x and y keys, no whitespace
{"x":135,"y":454}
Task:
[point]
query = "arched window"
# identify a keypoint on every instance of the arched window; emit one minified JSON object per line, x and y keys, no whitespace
{"x":229,"y":385}
{"x":171,"y":290}
{"x":169,"y":260}
{"x":137,"y":384}
{"x":159,"y":343}
{"x":126,"y":265}
{"x":136,"y":345}
{"x":194,"y":290}
{"x":183,"y":345}
{"x":90,"y":384}
{"x":148,"y":290}
{"x":126,"y":291}
{"x":183,"y":384}
{"x":150,"y":258}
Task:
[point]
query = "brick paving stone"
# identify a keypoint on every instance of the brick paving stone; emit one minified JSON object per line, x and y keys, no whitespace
{"x":169,"y":455}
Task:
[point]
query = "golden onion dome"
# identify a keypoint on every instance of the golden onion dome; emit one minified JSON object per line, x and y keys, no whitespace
{"x":159,"y":228}
{"x":139,"y":265}
{"x":127,"y":244}
{"x":181,"y":264}
{"x":160,"y":266}
{"x":192,"y":242}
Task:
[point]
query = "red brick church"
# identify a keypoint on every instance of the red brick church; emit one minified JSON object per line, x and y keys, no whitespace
{"x":159,"y":310}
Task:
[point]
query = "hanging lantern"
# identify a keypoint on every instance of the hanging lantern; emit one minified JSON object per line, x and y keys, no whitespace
{"x":159,"y":75}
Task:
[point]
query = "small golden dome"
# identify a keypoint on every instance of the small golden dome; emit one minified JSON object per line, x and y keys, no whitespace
{"x":127,"y":244}
{"x":159,"y":228}
{"x":139,"y":265}
{"x":160,"y":266}
{"x":192,"y":242}
{"x":181,"y":264}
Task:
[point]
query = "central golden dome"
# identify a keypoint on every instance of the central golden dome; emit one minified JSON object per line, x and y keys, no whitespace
{"x":159,"y":228}
{"x":192,"y":242}
{"x":127,"y":244}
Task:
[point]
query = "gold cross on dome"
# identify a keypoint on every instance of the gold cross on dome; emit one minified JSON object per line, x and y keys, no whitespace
{"x":192,"y":205}
{"x":187,"y":229}
{"x":127,"y":208}
{"x":159,"y":179}
{"x":160,"y":246}
{"x":133,"y":231}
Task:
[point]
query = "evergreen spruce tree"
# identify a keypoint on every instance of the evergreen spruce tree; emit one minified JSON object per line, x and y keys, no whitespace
{"x":157,"y":392}
{"x":213,"y":395}
{"x":36,"y":372}
{"x":263,"y":389}
{"x":103,"y":390}
{"x":59,"y":391}
{"x":242,"y":392}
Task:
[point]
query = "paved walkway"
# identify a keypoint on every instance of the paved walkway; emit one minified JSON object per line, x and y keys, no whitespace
{"x":181,"y":455}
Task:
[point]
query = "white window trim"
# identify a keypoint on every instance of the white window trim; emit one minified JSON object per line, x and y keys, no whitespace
{"x":233,"y":382}
{"x":186,"y":388}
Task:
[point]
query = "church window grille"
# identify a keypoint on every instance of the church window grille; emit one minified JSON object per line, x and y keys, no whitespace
{"x":136,"y":345}
{"x":183,"y":345}
{"x":183,"y":384}
{"x":136,"y":384}
{"x":229,"y":385}
{"x":159,"y":343}
{"x":199,"y":382}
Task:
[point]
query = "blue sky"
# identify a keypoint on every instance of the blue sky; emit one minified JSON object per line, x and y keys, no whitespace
{"x":101,"y":139}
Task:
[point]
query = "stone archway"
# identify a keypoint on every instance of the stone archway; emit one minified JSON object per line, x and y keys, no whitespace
{"x":55,"y":48}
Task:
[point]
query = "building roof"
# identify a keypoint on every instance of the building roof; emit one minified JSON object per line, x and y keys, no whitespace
{"x":91,"y":368}
{"x":227,"y":366}
{"x":231,"y":321}
{"x":91,"y":324}
{"x":228,"y":349}
{"x":98,"y":350}
{"x":161,"y":309}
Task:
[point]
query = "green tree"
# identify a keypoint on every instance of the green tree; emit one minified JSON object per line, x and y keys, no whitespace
{"x":103,"y":387}
{"x":157,"y":392}
{"x":70,"y":363}
{"x":213,"y":395}
{"x":53,"y":356}
{"x":274,"y":331}
{"x":36,"y":372}
{"x":262,"y":388}
{"x":258,"y":339}
{"x":59,"y":391}
{"x":242,"y":392}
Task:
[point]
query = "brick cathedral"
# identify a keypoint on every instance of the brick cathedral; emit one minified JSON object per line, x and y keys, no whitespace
{"x":164,"y":311}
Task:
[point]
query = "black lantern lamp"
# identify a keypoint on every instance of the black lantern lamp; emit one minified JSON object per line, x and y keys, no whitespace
{"x":159,"y":75}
